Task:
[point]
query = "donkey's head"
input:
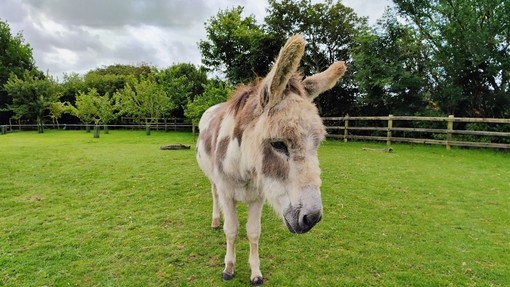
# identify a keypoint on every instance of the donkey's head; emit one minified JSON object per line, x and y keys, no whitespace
{"x":288,"y":133}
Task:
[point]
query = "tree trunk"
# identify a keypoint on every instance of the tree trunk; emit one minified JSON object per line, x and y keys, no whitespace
{"x":40,"y":127}
{"x":96,"y":131}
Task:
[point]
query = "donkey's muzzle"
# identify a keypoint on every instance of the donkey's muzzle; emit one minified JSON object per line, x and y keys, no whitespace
{"x":298,"y":221}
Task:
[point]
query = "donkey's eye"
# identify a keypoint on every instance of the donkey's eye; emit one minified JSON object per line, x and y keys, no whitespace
{"x":280,"y":147}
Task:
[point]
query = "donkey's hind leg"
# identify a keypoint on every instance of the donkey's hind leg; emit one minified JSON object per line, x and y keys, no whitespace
{"x":215,"y":224}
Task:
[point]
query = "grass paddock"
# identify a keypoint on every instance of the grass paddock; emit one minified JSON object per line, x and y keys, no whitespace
{"x":117,"y":211}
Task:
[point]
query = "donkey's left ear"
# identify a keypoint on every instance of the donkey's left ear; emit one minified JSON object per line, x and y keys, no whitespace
{"x":285,"y":66}
{"x":321,"y":82}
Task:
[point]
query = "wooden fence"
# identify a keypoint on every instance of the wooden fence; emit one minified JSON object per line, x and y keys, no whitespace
{"x":166,"y":124}
{"x":353,"y":128}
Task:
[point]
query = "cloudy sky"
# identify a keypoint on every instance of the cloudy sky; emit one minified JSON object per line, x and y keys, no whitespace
{"x":79,"y":35}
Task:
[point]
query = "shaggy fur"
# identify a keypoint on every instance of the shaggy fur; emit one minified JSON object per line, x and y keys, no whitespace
{"x":261,"y":145}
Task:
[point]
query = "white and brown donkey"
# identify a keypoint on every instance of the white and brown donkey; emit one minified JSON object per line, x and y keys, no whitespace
{"x":262,"y":145}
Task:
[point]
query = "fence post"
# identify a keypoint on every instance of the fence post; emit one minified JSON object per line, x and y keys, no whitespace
{"x":388,"y":133}
{"x":346,"y":127}
{"x":4,"y":130}
{"x":449,"y":129}
{"x":193,"y":130}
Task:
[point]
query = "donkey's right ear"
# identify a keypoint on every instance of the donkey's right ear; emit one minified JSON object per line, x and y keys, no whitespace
{"x":321,"y":82}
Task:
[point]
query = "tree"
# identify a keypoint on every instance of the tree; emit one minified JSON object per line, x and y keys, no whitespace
{"x":330,"y":29}
{"x":57,"y":109}
{"x":144,"y":100}
{"x":182,"y":83}
{"x":215,"y":91}
{"x":71,"y":86}
{"x":85,"y":107}
{"x":112,"y":78}
{"x":237,"y":46}
{"x":391,"y":69}
{"x":15,"y":58}
{"x":469,"y":53}
{"x":91,"y":107}
{"x":32,"y":95}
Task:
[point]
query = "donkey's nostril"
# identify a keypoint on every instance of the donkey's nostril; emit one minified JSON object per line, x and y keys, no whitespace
{"x":309,"y":220}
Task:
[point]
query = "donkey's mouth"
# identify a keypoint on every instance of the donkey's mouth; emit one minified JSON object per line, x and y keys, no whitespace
{"x":289,"y":227}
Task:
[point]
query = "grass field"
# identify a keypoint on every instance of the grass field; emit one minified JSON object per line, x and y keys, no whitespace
{"x":117,"y":211}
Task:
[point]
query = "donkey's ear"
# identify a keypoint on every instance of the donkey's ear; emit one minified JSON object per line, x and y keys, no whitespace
{"x":285,"y":66}
{"x":321,"y":82}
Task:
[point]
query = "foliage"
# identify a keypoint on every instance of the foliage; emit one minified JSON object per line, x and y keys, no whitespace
{"x":182,"y":83}
{"x":113,"y":78}
{"x":120,"y":211}
{"x":144,"y":100}
{"x":91,"y":107}
{"x":390,"y":69}
{"x":237,"y":46}
{"x":240,"y":48}
{"x":57,"y":109}
{"x":467,"y":42}
{"x":215,"y":92}
{"x":72,"y":85}
{"x":15,"y":58}
{"x":330,"y":29}
{"x":32,"y":95}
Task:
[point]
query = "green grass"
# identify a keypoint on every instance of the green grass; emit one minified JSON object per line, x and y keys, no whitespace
{"x":117,"y":211}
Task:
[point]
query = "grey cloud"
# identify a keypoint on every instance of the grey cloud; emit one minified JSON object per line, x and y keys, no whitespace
{"x":80,"y":35}
{"x":115,"y":13}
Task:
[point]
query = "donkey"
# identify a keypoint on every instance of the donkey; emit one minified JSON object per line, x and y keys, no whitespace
{"x":262,"y":145}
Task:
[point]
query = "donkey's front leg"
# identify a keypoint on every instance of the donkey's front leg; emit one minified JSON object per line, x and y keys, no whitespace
{"x":230,"y":227}
{"x":253,"y":232}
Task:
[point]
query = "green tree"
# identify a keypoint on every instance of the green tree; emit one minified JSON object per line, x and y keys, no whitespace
{"x":86,"y":107}
{"x":112,"y":78}
{"x":468,"y":43}
{"x":91,"y":107}
{"x":237,"y":46}
{"x":391,"y":69}
{"x":32,"y":96}
{"x":330,"y":29}
{"x":15,"y":58}
{"x":57,"y":110}
{"x":182,"y":83}
{"x":144,"y":100}
{"x":72,"y":85}
{"x":215,"y":91}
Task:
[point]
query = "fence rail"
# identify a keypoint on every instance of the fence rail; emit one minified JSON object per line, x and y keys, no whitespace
{"x":166,"y":124}
{"x":451,"y":132}
{"x":440,"y":136}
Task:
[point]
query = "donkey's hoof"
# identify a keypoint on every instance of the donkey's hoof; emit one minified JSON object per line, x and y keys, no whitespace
{"x":257,"y":281}
{"x":226,"y":276}
{"x":215,"y":224}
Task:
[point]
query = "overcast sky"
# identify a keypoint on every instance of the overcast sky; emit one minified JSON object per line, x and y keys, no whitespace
{"x":80,"y":35}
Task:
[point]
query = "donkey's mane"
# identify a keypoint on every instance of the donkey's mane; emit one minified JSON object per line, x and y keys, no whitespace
{"x":242,"y":94}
